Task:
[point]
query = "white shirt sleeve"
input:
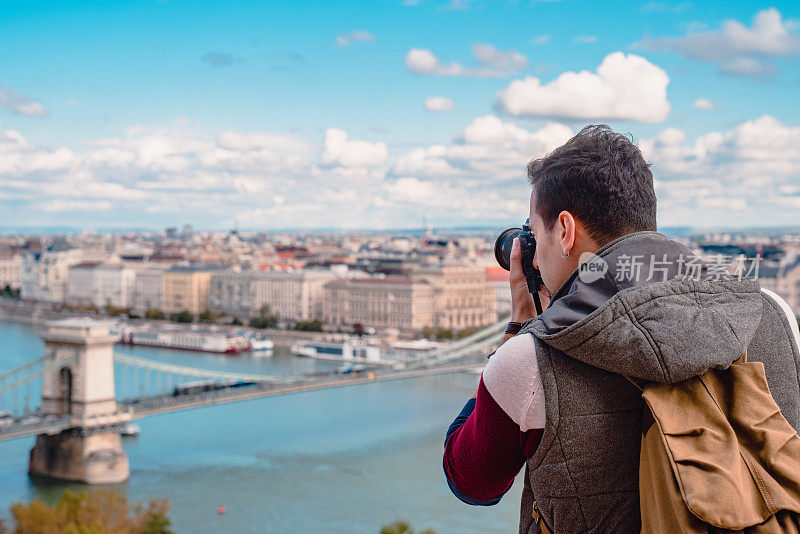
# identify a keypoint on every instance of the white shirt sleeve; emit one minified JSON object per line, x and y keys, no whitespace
{"x":512,"y":378}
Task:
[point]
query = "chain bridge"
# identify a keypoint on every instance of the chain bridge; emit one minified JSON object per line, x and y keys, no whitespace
{"x":79,"y":394}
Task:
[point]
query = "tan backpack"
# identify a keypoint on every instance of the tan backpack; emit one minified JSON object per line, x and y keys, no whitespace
{"x":719,"y":456}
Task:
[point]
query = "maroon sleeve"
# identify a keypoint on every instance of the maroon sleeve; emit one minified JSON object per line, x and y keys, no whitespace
{"x":483,"y":456}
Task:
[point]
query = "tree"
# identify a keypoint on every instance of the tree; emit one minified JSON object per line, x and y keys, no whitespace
{"x":154,"y":313}
{"x":464,"y":332}
{"x":115,"y":311}
{"x":444,"y":333}
{"x":236,"y":322}
{"x":261,"y":322}
{"x":93,"y":512}
{"x":402,"y":527}
{"x":264,"y":311}
{"x":309,"y":326}
{"x":154,"y":517}
{"x":207,"y":316}
{"x":184,"y":316}
{"x":448,"y":333}
{"x":9,"y":292}
{"x":265,"y":319}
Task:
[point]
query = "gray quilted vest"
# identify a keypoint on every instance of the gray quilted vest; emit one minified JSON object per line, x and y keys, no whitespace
{"x":584,"y":474}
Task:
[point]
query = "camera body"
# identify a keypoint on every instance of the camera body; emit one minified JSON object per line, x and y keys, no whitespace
{"x":502,"y":253}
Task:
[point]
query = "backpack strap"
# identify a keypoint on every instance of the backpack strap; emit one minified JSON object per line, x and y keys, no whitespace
{"x":634,"y":382}
{"x":537,"y":518}
{"x":743,"y":359}
{"x":647,"y":416}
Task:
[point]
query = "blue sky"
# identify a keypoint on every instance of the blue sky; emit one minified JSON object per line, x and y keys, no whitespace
{"x":283,"y":114}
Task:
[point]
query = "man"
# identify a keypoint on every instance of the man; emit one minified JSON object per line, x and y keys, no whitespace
{"x":627,"y":301}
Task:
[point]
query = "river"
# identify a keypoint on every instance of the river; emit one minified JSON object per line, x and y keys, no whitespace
{"x":343,"y":460}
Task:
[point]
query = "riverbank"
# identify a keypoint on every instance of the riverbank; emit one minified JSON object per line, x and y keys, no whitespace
{"x":338,"y":461}
{"x":38,"y":314}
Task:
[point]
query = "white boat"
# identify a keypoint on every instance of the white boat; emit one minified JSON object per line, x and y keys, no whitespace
{"x":347,"y":351}
{"x":261,"y":344}
{"x":403,"y":351}
{"x":130,"y":429}
{"x":186,"y":339}
{"x":366,"y":350}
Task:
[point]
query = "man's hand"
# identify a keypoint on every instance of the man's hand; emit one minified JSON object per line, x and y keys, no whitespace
{"x":522,"y":307}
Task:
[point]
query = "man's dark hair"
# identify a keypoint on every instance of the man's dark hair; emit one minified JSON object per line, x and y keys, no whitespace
{"x":600,"y":177}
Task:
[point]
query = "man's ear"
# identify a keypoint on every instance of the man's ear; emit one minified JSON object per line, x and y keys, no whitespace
{"x":567,"y":225}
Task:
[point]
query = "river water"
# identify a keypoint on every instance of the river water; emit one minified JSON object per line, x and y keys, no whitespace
{"x":343,"y":460}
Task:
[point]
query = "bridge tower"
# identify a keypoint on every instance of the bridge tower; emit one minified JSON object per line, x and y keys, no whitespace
{"x":81,"y":388}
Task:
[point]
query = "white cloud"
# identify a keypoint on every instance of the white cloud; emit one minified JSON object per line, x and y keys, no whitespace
{"x":494,"y":63}
{"x":341,"y":151}
{"x":748,"y":66}
{"x":743,"y":176}
{"x":703,"y":103}
{"x":75,"y":205}
{"x":345,"y":39}
{"x":185,"y":173}
{"x":411,"y":189}
{"x":490,"y":56}
{"x":20,"y":104}
{"x":178,"y":170}
{"x":157,"y":177}
{"x":487,"y":149}
{"x":735,"y":48}
{"x":430,"y":161}
{"x":439,"y":103}
{"x":541,"y":39}
{"x":585,"y":39}
{"x":625,"y":87}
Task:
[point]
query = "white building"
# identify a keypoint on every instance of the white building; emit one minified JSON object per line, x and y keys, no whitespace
{"x":290,"y":295}
{"x":79,"y":284}
{"x":44,"y":274}
{"x":113,"y":286}
{"x":100,"y":285}
{"x":233,"y":292}
{"x":148,"y":287}
{"x":10,"y":266}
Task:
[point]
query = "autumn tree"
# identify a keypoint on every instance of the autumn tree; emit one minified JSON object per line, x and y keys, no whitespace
{"x":95,"y":512}
{"x":402,"y":527}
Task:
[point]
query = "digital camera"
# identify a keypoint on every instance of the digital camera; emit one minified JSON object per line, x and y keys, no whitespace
{"x":502,"y":253}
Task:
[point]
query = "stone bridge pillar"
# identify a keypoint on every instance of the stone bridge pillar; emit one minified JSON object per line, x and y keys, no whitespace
{"x":81,"y":389}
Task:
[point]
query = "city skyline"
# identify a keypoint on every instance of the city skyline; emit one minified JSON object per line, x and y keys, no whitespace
{"x":335,"y":116}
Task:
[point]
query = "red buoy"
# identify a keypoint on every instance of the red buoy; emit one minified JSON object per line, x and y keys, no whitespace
{"x":220,"y":509}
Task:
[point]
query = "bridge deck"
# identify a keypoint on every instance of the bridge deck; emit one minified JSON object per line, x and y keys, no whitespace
{"x":168,"y":403}
{"x":143,"y":407}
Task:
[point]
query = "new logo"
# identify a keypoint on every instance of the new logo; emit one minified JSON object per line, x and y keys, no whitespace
{"x":591,"y":268}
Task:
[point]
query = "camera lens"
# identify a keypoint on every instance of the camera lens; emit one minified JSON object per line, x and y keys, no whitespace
{"x":502,"y":247}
